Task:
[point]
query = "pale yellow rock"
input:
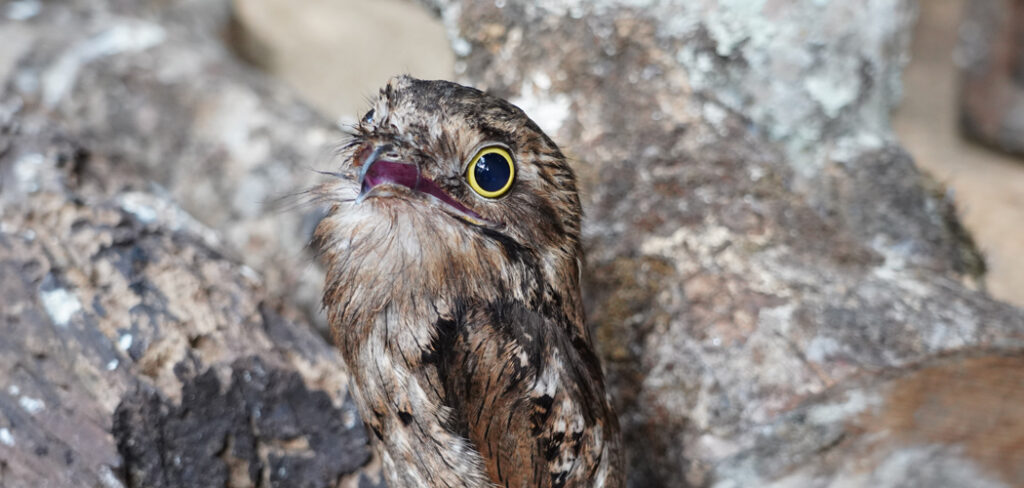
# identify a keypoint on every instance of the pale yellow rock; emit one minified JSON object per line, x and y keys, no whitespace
{"x":338,"y":53}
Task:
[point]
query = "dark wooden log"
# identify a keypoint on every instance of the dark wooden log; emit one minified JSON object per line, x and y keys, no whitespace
{"x":135,"y":354}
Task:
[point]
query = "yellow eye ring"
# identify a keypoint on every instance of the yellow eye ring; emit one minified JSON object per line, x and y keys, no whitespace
{"x":491,"y":172}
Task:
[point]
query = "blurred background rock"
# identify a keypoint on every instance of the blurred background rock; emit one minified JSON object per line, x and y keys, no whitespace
{"x":321,"y":50}
{"x":338,"y":53}
{"x":987,"y":184}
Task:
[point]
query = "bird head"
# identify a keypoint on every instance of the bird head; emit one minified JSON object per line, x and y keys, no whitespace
{"x":446,"y":191}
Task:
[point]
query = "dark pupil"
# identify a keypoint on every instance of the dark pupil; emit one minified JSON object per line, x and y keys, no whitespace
{"x":492,"y":172}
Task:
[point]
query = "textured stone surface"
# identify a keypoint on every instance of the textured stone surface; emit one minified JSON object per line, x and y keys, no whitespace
{"x":114,"y":306}
{"x":758,"y":245}
{"x":265,"y":426}
{"x":136,"y":346}
{"x":780,"y":297}
{"x":152,"y":87}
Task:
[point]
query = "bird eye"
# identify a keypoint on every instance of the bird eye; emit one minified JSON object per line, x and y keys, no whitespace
{"x":491,"y":172}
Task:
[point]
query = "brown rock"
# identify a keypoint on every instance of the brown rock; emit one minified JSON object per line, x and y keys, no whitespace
{"x":746,"y":149}
{"x":135,"y":353}
{"x":152,"y":88}
{"x":991,"y":55}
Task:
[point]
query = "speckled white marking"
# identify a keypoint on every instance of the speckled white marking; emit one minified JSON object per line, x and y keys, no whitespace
{"x":548,"y":380}
{"x":601,"y":478}
{"x":61,"y":305}
{"x":112,"y":364}
{"x":13,"y":390}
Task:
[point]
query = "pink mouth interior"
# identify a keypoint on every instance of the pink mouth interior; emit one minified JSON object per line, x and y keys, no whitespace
{"x":408,"y":175}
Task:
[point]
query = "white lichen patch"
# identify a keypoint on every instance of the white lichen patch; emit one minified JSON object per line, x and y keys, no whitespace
{"x":821,"y":348}
{"x":834,"y":90}
{"x":27,"y":172}
{"x":549,"y":110}
{"x":138,"y":207}
{"x":108,"y":478}
{"x":710,"y":236}
{"x":715,"y":115}
{"x":945,"y":467}
{"x":22,"y":9}
{"x":736,"y":22}
{"x":960,"y":329}
{"x":31,"y":405}
{"x":61,"y":305}
{"x":6,"y":438}
{"x":848,"y":148}
{"x":124,"y":342}
{"x":853,"y":402}
{"x":895,"y":267}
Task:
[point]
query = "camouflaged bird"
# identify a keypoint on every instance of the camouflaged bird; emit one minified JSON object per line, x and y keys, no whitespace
{"x":452,"y":248}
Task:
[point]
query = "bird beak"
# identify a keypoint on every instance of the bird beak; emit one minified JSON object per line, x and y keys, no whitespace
{"x":377,"y":172}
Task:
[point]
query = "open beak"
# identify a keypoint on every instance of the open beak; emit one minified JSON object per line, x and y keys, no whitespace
{"x":377,"y":172}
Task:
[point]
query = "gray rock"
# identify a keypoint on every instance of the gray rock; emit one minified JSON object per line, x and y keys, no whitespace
{"x":152,"y":87}
{"x":758,"y":244}
{"x":139,"y":346}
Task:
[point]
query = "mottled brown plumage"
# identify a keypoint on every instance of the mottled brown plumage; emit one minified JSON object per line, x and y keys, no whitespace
{"x":460,"y":316}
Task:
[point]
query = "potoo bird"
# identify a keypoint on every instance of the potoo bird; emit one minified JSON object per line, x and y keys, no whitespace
{"x":452,"y":248}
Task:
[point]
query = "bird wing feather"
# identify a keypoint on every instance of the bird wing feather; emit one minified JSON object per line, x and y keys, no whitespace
{"x":528,"y":396}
